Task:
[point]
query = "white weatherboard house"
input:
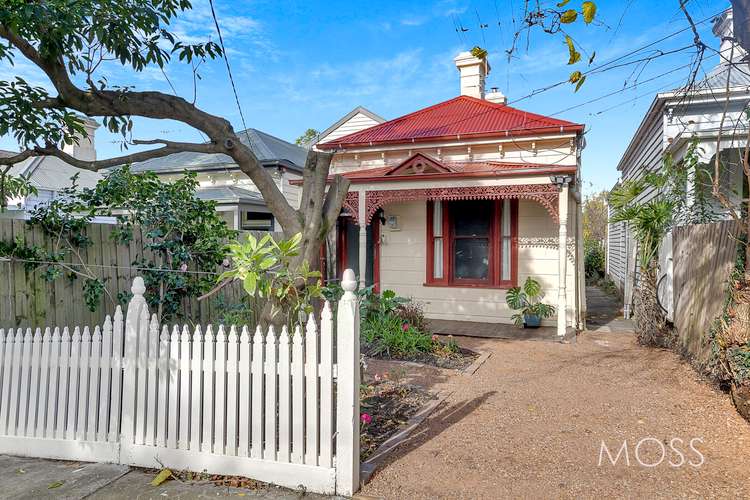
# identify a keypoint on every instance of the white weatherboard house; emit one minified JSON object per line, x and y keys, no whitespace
{"x":457,"y":202}
{"x":673,"y":121}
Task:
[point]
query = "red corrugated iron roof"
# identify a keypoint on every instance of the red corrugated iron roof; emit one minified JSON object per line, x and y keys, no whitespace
{"x":462,"y":116}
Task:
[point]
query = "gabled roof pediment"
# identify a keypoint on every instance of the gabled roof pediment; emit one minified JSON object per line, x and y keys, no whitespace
{"x":419,"y":164}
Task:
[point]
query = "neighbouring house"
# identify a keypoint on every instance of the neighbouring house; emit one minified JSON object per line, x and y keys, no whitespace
{"x":674,"y":120}
{"x":355,"y":120}
{"x":221,"y":180}
{"x":455,"y":203}
{"x":50,"y":175}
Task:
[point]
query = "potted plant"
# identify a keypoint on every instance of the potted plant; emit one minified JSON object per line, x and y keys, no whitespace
{"x":527,"y":301}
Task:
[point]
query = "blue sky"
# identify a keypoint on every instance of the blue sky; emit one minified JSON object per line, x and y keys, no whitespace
{"x":305,"y":64}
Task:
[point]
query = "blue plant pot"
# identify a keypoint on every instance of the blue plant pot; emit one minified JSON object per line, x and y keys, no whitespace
{"x":532,"y":321}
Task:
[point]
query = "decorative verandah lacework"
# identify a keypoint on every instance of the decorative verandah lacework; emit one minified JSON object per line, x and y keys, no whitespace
{"x":545,"y":194}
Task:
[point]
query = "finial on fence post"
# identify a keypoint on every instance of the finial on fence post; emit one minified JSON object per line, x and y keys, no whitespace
{"x":349,"y":283}
{"x":138,"y":287}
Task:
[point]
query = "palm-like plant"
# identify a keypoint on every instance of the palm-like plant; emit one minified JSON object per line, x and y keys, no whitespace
{"x":649,"y":221}
{"x":526,"y":300}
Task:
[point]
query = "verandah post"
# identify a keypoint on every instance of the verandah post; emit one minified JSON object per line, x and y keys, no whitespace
{"x":347,"y":388}
{"x":562,"y":303}
{"x":130,"y":359}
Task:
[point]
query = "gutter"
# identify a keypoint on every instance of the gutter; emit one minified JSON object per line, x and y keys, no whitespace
{"x":499,"y":134}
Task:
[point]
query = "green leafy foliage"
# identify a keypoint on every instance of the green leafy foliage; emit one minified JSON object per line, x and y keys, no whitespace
{"x":185,"y":236}
{"x":273,"y":279}
{"x":82,"y":34}
{"x":650,"y":221}
{"x":388,"y":334}
{"x":527,"y":301}
{"x":307,"y":138}
{"x":14,"y":187}
{"x":395,"y":326}
{"x":593,"y":260}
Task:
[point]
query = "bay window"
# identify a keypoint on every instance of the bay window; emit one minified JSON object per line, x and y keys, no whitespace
{"x":472,"y":243}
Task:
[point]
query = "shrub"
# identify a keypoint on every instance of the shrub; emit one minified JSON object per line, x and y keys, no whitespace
{"x":388,"y":334}
{"x":412,"y":314}
{"x":593,"y":260}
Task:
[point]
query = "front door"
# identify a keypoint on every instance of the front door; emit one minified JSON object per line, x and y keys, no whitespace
{"x":348,"y":250}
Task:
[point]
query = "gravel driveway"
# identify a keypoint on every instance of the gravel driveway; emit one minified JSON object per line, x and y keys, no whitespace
{"x":531,"y":422}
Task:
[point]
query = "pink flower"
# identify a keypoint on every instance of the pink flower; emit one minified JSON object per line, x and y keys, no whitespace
{"x":183,"y":267}
{"x":366,"y":418}
{"x":405,"y":327}
{"x":434,"y":338}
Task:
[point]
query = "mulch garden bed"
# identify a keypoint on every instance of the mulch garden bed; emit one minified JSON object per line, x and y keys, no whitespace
{"x":386,"y":407}
{"x":458,"y":360}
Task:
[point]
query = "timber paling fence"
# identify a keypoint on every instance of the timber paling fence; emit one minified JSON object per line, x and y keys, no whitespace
{"x":28,"y":300}
{"x":704,"y":256}
{"x":280,"y":407}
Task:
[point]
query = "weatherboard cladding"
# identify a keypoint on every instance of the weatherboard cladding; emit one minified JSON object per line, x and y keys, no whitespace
{"x":460,"y":116}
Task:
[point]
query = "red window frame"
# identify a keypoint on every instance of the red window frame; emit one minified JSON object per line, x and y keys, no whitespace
{"x":494,"y":276}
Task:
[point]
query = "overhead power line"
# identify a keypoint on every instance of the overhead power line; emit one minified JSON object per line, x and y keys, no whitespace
{"x":612,"y":63}
{"x":229,"y":69}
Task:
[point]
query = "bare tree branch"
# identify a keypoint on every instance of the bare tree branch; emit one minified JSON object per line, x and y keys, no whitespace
{"x":169,"y":148}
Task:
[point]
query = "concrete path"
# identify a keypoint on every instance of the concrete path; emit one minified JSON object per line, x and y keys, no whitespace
{"x":29,"y":478}
{"x":32,"y":478}
{"x":531,"y":421}
{"x":604,"y":312}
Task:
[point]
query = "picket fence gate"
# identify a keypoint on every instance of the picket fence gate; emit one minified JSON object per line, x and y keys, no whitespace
{"x":277,"y":408}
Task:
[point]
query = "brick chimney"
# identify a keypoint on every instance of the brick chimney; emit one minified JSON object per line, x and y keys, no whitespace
{"x":473,"y":72}
{"x":85,"y":148}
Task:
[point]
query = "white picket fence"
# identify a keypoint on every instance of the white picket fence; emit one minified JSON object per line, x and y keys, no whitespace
{"x":281,"y":408}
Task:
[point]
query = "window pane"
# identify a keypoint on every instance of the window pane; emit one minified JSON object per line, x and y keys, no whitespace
{"x":437,"y":264}
{"x":472,"y":218}
{"x":437,"y":218}
{"x":471,"y":259}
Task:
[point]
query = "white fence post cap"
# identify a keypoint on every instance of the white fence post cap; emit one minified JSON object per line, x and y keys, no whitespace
{"x":349,"y":281}
{"x":138,"y":288}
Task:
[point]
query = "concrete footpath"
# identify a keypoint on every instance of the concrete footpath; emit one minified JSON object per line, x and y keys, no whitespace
{"x":33,"y":478}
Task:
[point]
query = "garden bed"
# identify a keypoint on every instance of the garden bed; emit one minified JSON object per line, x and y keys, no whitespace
{"x":386,"y":408}
{"x":458,"y":359}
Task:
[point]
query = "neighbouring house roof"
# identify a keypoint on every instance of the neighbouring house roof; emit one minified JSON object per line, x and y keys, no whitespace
{"x":739,"y":76}
{"x":713,"y":85}
{"x":351,"y":114}
{"x":460,"y":117}
{"x":270,"y":151}
{"x":229,"y":194}
{"x":53,"y":174}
